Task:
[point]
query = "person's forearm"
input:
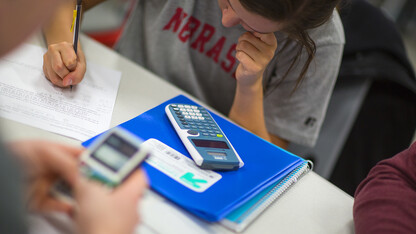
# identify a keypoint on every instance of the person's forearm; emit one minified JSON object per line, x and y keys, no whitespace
{"x":247,"y":110}
{"x":58,"y":28}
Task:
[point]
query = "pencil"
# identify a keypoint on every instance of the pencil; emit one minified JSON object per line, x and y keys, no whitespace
{"x":77,"y":15}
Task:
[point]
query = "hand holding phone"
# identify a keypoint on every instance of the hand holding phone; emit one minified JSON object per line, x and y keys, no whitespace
{"x":110,"y":159}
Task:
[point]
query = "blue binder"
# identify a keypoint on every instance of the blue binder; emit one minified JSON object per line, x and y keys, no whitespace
{"x":265,"y":164}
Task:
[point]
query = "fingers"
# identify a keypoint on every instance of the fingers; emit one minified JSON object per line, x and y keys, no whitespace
{"x":62,"y":66}
{"x":260,"y":47}
{"x":63,"y":61}
{"x":62,"y":161}
{"x":85,"y":187}
{"x":76,"y":76}
{"x":69,"y":58}
{"x":268,"y":38}
{"x":254,"y":51}
{"x":41,"y":200}
{"x":49,"y":73}
{"x":74,"y":152}
{"x":134,"y":186}
{"x":56,"y":205}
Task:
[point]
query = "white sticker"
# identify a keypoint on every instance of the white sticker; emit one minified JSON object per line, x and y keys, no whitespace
{"x":179,"y":167}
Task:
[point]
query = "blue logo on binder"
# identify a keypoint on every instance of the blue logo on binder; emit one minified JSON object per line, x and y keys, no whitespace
{"x":189,"y":179}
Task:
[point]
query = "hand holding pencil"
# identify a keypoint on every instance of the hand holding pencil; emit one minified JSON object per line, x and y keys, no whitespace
{"x":64,"y":63}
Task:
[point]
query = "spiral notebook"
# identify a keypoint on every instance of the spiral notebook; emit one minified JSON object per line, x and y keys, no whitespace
{"x":266,"y":165}
{"x":241,"y":217}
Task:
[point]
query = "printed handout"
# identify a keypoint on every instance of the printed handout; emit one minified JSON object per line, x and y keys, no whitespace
{"x":28,"y":97}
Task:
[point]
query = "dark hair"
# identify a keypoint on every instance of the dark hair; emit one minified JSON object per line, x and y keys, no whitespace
{"x":296,"y":16}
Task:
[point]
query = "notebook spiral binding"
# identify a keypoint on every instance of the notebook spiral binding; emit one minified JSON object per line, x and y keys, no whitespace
{"x":274,"y":194}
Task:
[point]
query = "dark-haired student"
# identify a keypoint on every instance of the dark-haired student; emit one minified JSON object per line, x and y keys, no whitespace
{"x":28,"y":168}
{"x":385,"y":202}
{"x":270,"y":65}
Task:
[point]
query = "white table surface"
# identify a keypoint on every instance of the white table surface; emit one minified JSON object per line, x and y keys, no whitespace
{"x":312,"y":205}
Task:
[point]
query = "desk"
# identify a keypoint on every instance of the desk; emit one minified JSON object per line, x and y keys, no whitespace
{"x":313,"y":205}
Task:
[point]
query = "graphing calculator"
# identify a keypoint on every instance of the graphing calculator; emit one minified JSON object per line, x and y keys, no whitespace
{"x":203,"y":138}
{"x":110,"y":159}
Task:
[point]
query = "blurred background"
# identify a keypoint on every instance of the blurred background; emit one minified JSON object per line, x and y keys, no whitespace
{"x":403,"y":13}
{"x":372,"y":113}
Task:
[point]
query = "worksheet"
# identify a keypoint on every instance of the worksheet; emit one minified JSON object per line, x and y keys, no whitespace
{"x":28,"y":97}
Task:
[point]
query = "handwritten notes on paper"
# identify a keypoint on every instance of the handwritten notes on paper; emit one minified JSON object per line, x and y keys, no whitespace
{"x":28,"y":97}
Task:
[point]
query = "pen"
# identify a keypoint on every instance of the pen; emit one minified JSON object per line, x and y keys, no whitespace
{"x":75,"y":25}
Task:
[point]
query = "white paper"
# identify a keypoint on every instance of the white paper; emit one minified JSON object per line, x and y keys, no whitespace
{"x":28,"y":97}
{"x":159,"y":215}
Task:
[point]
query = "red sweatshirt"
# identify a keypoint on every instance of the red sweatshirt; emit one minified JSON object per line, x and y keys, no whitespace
{"x":385,"y":202}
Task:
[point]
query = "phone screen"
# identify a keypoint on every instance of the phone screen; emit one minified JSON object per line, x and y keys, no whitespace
{"x":114,"y":152}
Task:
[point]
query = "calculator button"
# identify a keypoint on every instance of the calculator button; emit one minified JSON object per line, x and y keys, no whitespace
{"x":201,"y":118}
{"x":180,"y":105}
{"x":192,"y":132}
{"x":219,"y":135}
{"x":194,"y":107}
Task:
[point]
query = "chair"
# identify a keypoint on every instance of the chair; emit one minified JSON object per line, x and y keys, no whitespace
{"x":106,"y":22}
{"x":374,"y":68}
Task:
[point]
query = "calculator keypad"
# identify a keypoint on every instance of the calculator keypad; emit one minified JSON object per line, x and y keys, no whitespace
{"x":196,"y":119}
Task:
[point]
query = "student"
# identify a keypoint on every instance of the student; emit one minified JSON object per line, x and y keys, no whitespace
{"x":42,"y":162}
{"x":385,"y":202}
{"x":270,"y":65}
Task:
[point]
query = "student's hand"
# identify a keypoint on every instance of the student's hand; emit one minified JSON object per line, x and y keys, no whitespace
{"x":62,"y":66}
{"x":254,"y":52}
{"x":103,"y":211}
{"x":43,"y":163}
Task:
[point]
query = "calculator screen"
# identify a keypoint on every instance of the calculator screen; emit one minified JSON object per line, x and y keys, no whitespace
{"x":114,"y":152}
{"x":210,"y":144}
